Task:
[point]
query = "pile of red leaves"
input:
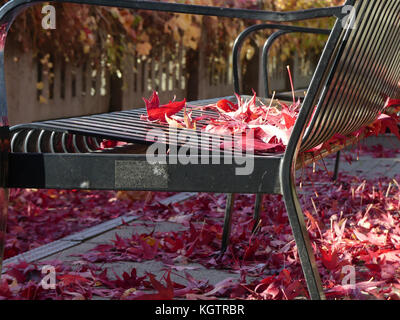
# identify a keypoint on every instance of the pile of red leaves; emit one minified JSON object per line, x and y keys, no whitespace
{"x":255,"y":126}
{"x":353,"y":223}
{"x":37,"y":217}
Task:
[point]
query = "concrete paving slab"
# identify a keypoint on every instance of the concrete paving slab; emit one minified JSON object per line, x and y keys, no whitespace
{"x":389,"y":141}
{"x":394,"y":169}
{"x":100,"y":228}
{"x":199,"y":272}
{"x":136,"y":227}
{"x":40,"y":252}
{"x":68,"y":255}
{"x":382,"y":167}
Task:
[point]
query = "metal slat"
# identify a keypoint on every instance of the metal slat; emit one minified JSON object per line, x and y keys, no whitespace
{"x":357,"y":72}
{"x":379,"y":82}
{"x":356,"y":97}
{"x":325,"y":110}
{"x":373,"y":79}
{"x":127,"y":126}
{"x":371,"y":83}
{"x":133,"y":137}
{"x":119,"y":123}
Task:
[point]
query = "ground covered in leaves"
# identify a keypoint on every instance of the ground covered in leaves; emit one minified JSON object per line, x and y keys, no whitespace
{"x":37,"y":217}
{"x":353,"y":224}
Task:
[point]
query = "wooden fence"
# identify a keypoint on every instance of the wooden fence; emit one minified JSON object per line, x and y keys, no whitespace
{"x":59,"y":89}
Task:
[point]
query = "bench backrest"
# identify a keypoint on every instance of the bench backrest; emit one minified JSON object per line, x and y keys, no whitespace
{"x":361,"y":74}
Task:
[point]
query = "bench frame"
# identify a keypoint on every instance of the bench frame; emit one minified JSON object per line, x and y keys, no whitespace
{"x":96,"y":171}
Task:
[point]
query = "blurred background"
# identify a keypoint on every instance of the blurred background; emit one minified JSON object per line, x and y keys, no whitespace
{"x":101,"y":59}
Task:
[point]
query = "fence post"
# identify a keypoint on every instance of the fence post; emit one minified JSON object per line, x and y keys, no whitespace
{"x":193,"y":67}
{"x":116,"y":93}
{"x":250,"y":78}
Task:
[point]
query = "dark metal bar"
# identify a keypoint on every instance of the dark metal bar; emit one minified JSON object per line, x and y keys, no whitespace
{"x":3,"y":222}
{"x":245,"y":33}
{"x":52,"y":143}
{"x":85,"y":144}
{"x":303,"y":243}
{"x":257,"y":209}
{"x":95,"y":142}
{"x":17,"y":140}
{"x":74,"y":144}
{"x":64,"y":142}
{"x":8,"y":11}
{"x":5,"y":148}
{"x":45,"y":141}
{"x":230,"y":202}
{"x":40,"y":141}
{"x":135,"y":172}
{"x":337,"y":163}
{"x":31,"y":141}
{"x":25,"y":148}
{"x":268,"y":44}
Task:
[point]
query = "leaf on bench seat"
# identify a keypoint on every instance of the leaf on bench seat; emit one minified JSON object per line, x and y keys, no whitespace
{"x":256,"y":127}
{"x":155,"y":112}
{"x":393,"y":103}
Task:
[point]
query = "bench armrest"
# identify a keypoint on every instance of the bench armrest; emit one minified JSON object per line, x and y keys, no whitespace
{"x":283,"y":29}
{"x":268,"y":44}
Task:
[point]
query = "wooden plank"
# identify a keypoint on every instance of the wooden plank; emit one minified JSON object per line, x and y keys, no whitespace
{"x":57,"y":80}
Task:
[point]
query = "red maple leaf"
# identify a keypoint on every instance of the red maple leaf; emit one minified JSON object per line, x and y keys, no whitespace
{"x":330,"y":259}
{"x":226,"y":105}
{"x":68,"y":279}
{"x":163,"y":292}
{"x":289,"y":120}
{"x":129,"y":280}
{"x":155,"y":112}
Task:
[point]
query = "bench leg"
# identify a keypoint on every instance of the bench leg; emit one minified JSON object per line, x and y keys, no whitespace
{"x":230,"y":200}
{"x":301,"y":236}
{"x":3,"y":223}
{"x":337,"y":162}
{"x":257,"y":210}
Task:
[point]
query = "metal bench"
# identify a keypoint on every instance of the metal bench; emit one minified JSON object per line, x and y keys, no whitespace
{"x":358,"y":70}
